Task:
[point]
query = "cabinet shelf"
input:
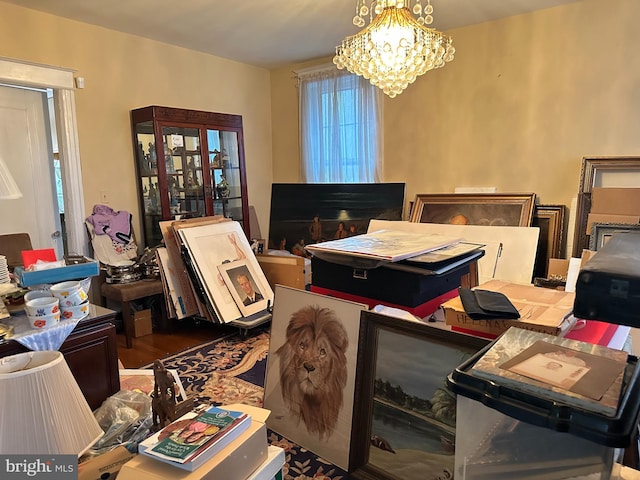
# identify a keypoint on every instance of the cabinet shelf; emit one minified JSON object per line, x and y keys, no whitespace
{"x":180,"y":146}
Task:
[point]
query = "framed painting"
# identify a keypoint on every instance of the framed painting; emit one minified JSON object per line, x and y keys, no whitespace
{"x":550,"y":219}
{"x":211,"y":245}
{"x":600,"y":172}
{"x":602,"y":232}
{"x":246,"y":289}
{"x":311,"y":371}
{"x":510,"y":210}
{"x":405,"y":422}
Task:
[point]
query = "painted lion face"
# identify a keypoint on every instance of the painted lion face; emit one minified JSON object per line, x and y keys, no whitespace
{"x":313,"y":368}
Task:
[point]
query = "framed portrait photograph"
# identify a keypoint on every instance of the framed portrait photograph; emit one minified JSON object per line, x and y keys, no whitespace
{"x":212,"y":245}
{"x":405,"y":422}
{"x":311,"y":371}
{"x":602,"y":232}
{"x":246,"y":289}
{"x":489,"y":209}
{"x":550,"y":219}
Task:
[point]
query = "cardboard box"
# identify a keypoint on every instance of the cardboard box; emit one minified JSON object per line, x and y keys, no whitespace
{"x":610,"y":218}
{"x":142,"y":324}
{"x":619,"y":201}
{"x":291,"y":271}
{"x":239,"y":459}
{"x":541,"y":310}
{"x":104,"y":466}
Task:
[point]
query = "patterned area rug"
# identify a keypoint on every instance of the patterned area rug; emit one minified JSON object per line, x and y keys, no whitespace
{"x":232,"y":370}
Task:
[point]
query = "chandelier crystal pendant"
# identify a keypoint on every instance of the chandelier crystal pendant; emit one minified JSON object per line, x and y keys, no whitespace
{"x":395,"y":47}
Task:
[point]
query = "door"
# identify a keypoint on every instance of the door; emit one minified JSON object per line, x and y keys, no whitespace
{"x":25,"y":146}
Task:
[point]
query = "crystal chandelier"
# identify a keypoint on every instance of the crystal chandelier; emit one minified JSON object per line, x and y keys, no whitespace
{"x":395,"y":47}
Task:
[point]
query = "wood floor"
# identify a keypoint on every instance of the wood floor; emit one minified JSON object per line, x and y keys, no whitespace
{"x":178,"y":335}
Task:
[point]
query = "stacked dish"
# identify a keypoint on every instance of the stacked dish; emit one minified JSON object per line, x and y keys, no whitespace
{"x":4,"y":270}
{"x":43,"y":312}
{"x":74,"y":302}
{"x":68,"y":300}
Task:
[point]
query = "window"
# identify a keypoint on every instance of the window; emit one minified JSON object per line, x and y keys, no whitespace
{"x":340,"y":127}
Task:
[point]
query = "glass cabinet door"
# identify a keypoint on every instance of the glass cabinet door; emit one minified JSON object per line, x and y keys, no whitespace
{"x":147,"y":165}
{"x":224,"y":164}
{"x":185,"y":176}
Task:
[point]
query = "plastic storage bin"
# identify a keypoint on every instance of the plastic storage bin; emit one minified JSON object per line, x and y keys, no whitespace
{"x":505,"y":434}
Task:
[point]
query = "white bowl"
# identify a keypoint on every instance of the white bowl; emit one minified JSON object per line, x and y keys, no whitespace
{"x":75,"y":311}
{"x":30,"y":295}
{"x":39,"y":307}
{"x":70,"y":293}
{"x":44,"y":321}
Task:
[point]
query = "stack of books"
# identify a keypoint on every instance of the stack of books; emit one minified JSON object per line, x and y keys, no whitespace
{"x":210,"y":442}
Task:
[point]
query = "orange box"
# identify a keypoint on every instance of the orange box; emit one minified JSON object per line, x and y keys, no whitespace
{"x":618,"y":201}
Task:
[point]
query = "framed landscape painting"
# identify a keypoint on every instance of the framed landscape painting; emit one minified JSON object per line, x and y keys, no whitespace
{"x":404,"y":426}
{"x":495,"y":209}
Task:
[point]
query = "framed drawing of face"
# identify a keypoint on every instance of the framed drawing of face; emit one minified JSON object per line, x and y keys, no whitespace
{"x":311,"y":371}
{"x":495,"y":209}
{"x":405,"y":419}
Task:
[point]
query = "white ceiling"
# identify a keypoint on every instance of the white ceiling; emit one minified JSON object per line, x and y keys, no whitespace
{"x":266,"y":33}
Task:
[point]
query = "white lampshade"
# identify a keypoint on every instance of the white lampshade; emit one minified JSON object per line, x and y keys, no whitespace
{"x":42,"y":409}
{"x":8,"y":188}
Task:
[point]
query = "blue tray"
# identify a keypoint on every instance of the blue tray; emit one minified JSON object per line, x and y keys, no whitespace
{"x":54,"y":275}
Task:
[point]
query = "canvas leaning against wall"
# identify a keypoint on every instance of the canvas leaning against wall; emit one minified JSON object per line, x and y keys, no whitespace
{"x":311,"y":370}
{"x":295,"y":206}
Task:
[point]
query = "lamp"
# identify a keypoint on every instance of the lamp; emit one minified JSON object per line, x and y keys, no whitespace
{"x":8,"y":188}
{"x":395,"y":47}
{"x":42,"y":409}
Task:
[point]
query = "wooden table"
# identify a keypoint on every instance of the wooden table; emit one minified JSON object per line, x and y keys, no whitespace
{"x":91,"y":351}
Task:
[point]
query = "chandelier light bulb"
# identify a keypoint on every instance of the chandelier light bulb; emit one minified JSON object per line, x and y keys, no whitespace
{"x":395,"y":47}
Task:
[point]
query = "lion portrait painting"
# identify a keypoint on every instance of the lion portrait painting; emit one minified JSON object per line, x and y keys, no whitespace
{"x":313,"y":368}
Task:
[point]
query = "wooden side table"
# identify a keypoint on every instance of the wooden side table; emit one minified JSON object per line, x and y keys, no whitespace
{"x":91,"y":351}
{"x":125,"y":293}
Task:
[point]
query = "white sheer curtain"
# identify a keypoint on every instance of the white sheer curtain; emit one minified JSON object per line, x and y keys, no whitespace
{"x":340,"y":127}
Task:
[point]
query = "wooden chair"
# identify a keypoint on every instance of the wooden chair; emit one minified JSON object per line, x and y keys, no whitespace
{"x":12,"y":245}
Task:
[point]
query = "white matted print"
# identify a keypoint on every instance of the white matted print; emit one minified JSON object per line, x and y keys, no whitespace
{"x":311,"y":371}
{"x":212,"y":245}
{"x":246,"y":290}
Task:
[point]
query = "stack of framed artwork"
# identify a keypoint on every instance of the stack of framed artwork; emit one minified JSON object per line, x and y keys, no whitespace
{"x":499,"y":209}
{"x":211,"y":271}
{"x":383,"y":411}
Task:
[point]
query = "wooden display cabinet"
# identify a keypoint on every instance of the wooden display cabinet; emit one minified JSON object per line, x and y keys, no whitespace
{"x":190,"y":164}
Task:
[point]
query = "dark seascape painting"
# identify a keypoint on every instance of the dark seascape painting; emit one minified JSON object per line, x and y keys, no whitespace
{"x":321,"y":211}
{"x":413,"y":422}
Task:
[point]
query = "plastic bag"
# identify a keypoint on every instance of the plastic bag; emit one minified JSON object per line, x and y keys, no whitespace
{"x":126,"y":419}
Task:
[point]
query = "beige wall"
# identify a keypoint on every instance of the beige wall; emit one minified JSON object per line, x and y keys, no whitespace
{"x":524,"y":100}
{"x":123,"y":72}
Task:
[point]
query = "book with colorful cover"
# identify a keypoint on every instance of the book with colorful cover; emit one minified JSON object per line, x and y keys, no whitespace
{"x":571,"y":372}
{"x":195,"y":437}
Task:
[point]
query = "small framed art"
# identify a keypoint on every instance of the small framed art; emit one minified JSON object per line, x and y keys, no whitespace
{"x":242,"y":281}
